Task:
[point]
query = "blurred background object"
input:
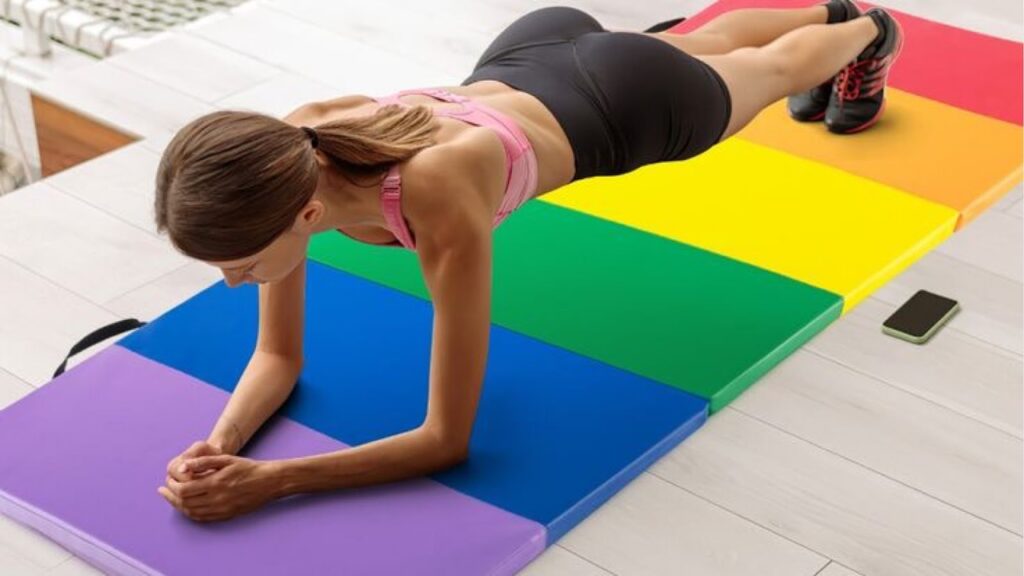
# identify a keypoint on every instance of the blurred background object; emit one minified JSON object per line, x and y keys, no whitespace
{"x":41,"y":38}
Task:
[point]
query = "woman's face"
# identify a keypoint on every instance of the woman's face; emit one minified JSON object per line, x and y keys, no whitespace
{"x":278,"y":259}
{"x":270,"y":264}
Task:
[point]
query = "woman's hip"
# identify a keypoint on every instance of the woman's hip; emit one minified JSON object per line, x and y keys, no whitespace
{"x":663,"y":103}
{"x":623,"y":99}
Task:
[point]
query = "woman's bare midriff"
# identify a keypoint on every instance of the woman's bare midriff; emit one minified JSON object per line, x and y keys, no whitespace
{"x":555,"y":162}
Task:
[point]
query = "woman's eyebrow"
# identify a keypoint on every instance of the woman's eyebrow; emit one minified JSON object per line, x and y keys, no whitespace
{"x":237,"y":267}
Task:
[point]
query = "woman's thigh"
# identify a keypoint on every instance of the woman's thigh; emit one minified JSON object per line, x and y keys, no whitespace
{"x":753,"y":80}
{"x":697,"y":43}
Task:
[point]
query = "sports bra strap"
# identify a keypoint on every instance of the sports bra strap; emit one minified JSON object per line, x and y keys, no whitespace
{"x":391,"y":207}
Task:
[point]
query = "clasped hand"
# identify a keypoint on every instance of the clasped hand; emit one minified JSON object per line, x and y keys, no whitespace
{"x":207,"y":485}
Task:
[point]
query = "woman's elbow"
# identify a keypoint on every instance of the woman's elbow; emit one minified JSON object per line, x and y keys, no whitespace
{"x":451,"y":456}
{"x":448,"y":449}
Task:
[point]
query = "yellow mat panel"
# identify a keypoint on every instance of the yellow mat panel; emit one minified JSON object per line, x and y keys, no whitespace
{"x":805,"y":220}
{"x":941,"y":153}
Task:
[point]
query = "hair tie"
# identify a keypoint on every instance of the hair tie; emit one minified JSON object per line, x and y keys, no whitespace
{"x":314,"y":138}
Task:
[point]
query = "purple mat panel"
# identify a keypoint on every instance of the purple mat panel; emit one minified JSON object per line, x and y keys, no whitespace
{"x":102,"y":434}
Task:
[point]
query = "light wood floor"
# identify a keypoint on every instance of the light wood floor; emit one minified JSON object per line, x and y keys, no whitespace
{"x":860,"y":454}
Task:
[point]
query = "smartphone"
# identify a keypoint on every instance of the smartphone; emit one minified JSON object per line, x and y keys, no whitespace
{"x":920,"y":317}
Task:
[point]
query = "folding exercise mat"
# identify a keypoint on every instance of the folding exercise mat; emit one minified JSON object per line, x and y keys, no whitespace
{"x":557,"y":434}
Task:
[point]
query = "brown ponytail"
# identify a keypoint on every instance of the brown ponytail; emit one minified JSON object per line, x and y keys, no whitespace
{"x":231,"y":181}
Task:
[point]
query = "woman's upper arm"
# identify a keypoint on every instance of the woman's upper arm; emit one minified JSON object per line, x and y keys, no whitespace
{"x":453,"y":227}
{"x":281,"y":315}
{"x":453,"y":243}
{"x":458,"y":278}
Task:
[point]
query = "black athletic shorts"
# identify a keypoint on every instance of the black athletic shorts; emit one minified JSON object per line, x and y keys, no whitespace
{"x":623,"y":99}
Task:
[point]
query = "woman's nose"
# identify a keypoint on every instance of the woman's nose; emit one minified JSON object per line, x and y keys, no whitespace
{"x":232,"y":279}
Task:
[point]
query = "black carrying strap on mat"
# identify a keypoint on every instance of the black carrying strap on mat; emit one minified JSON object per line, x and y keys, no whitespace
{"x":662,"y":26}
{"x":97,"y":336}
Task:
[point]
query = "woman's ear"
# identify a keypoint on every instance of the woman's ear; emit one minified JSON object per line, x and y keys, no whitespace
{"x":310,"y":216}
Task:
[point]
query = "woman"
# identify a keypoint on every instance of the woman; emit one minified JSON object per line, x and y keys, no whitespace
{"x":554,"y":99}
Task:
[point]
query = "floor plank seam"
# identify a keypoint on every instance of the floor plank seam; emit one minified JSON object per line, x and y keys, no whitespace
{"x":737,"y":514}
{"x":218,"y":103}
{"x":14,"y":377}
{"x":70,"y":197}
{"x":588,"y":560}
{"x":170,"y":87}
{"x":1018,"y":354}
{"x":53,"y":283}
{"x":823,"y":568}
{"x":106,"y":212}
{"x":149,"y":283}
{"x":968,"y":263}
{"x":1011,"y":433}
{"x":870,"y":469}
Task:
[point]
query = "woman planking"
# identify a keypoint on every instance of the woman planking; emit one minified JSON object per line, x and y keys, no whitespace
{"x":555,"y":98}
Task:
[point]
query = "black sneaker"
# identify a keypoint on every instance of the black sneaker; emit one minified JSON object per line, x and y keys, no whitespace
{"x":810,"y":106}
{"x":858,"y":96}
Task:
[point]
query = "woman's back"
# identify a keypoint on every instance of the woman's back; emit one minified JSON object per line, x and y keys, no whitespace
{"x":550,"y":144}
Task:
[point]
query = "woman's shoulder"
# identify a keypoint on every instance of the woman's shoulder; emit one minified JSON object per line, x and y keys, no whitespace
{"x":475,"y":156}
{"x":464,"y":167}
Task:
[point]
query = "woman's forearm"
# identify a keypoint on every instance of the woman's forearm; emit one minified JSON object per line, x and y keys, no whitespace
{"x":265,"y":384}
{"x":406,"y":455}
{"x":457,"y":271}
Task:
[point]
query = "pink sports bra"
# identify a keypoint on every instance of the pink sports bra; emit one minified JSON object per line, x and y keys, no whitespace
{"x":520,"y":160}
